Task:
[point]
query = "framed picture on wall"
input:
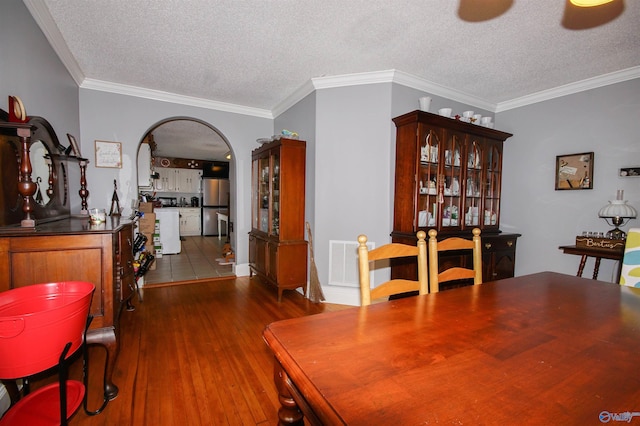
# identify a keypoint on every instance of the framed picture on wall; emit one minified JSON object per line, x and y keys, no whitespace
{"x":574,"y":171}
{"x":108,"y":154}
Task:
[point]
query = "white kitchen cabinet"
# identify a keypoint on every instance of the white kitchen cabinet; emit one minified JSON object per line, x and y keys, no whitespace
{"x":188,"y":180}
{"x":178,"y":180}
{"x":190,"y":222}
{"x":166,"y":181}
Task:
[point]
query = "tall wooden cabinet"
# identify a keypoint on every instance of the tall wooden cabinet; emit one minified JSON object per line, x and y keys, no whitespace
{"x":448,"y":177}
{"x":277,"y":249}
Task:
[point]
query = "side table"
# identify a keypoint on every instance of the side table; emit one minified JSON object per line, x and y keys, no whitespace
{"x":597,"y":254}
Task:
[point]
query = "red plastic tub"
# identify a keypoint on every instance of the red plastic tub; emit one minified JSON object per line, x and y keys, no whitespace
{"x":37,"y":321}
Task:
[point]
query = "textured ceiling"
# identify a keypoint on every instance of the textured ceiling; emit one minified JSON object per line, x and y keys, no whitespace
{"x":189,"y":139}
{"x":257,"y":53}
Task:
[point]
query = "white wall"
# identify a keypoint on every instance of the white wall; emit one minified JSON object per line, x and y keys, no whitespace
{"x":301,"y":118}
{"x":126,"y":119}
{"x":604,"y":120}
{"x":353,"y":185}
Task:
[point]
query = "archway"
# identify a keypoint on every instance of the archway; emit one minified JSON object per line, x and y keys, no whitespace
{"x":183,"y":145}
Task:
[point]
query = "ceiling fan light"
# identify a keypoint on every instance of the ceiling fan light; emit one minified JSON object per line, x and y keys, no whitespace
{"x":577,"y":16}
{"x":589,"y":3}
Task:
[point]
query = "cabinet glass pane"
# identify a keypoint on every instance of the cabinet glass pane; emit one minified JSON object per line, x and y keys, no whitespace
{"x":428,"y":180}
{"x":449,"y":182}
{"x":472,"y":205}
{"x":492,"y":187}
{"x":263,"y":211}
{"x":255,"y":194}
{"x":275,"y":180}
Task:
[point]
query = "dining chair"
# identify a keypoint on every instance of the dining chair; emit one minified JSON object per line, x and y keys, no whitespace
{"x":380,"y":257}
{"x":630,"y":271}
{"x":457,"y":272}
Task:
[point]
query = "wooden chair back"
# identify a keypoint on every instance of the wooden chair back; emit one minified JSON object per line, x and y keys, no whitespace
{"x":456,"y":273}
{"x":386,"y":252}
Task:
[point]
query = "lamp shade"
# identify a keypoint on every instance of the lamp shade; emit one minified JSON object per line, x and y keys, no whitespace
{"x":618,"y":208}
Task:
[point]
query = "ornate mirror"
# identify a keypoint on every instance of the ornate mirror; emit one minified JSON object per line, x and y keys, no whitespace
{"x":50,"y":199}
{"x":42,"y":173}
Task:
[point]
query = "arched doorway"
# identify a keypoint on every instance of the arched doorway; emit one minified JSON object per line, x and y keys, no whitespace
{"x":177,"y":147}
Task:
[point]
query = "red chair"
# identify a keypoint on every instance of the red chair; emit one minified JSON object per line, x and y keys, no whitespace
{"x":41,"y":326}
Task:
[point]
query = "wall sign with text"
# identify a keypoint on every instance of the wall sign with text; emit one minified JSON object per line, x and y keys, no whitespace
{"x":108,"y":154}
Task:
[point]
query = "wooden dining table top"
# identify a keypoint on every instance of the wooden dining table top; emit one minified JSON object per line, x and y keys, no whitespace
{"x":543,"y":349}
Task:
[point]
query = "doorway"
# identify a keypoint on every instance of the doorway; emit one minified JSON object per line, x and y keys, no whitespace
{"x":185,"y":145}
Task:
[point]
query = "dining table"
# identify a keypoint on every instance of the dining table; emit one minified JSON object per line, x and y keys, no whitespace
{"x":539,"y":349}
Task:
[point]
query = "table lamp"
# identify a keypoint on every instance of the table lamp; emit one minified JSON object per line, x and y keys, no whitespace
{"x":617,"y":211}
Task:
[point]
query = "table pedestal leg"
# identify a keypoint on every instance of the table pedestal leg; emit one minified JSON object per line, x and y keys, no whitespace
{"x":289,"y":413}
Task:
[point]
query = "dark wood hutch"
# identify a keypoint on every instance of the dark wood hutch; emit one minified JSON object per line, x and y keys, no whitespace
{"x":41,"y":241}
{"x":277,"y":248}
{"x":448,"y":177}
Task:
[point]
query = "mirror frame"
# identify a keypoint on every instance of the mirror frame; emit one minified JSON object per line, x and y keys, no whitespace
{"x":56,"y":184}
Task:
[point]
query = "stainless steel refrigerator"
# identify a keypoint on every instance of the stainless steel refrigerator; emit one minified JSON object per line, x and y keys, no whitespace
{"x":215,"y":198}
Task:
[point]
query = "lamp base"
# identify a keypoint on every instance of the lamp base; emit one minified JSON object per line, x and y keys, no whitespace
{"x":617,"y":234}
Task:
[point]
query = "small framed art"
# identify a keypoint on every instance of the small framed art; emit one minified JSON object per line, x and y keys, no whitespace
{"x":574,"y":171}
{"x":108,"y":154}
{"x":74,"y":145}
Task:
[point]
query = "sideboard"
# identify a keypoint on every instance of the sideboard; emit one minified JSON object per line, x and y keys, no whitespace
{"x":73,"y":249}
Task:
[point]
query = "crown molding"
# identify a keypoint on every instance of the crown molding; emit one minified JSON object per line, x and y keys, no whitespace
{"x":158,"y":95}
{"x":571,"y":88}
{"x":418,"y":83}
{"x":43,"y":18}
{"x":373,"y":77}
{"x":385,"y":76}
{"x":302,"y":92}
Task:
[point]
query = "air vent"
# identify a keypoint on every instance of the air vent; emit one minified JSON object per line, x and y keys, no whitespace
{"x":343,"y":263}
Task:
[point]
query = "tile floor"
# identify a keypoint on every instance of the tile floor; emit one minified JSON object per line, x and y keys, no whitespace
{"x":197,"y":260}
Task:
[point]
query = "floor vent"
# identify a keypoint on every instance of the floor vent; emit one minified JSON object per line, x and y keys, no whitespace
{"x":343,"y":263}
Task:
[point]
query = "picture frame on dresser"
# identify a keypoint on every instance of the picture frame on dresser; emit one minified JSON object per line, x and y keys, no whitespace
{"x":74,"y":145}
{"x":574,"y":171}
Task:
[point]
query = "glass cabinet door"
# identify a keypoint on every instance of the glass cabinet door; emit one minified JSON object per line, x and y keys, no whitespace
{"x":255,"y":194}
{"x":473,"y":181}
{"x":449,"y":182}
{"x":427,"y":205}
{"x":263,"y":194}
{"x":275,"y":193}
{"x":492,"y":187}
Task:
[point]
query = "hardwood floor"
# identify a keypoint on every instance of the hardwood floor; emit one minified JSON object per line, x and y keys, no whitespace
{"x":194,"y":355}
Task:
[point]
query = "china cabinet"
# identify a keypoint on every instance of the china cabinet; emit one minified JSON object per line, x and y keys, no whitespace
{"x":448,"y":177}
{"x":277,"y":249}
